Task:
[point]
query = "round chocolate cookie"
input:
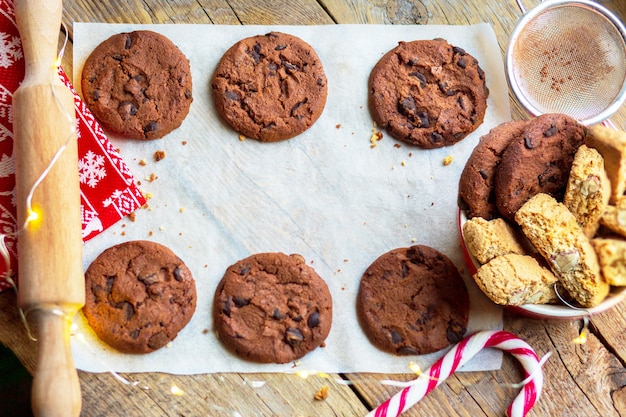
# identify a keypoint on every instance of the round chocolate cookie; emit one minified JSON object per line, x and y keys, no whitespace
{"x":413,"y":301}
{"x":139,"y":295}
{"x":428,"y":93}
{"x":270,"y":87}
{"x":476,"y":185}
{"x":538,"y":161}
{"x":138,"y":85}
{"x":272,"y":308}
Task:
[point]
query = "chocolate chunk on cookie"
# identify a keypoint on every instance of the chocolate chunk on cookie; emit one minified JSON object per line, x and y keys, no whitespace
{"x":272,"y":308}
{"x":139,"y":296}
{"x":428,"y":93}
{"x":413,"y":301}
{"x":270,"y":87}
{"x":138,"y":85}
{"x":477,"y":182}
{"x":539,"y":161}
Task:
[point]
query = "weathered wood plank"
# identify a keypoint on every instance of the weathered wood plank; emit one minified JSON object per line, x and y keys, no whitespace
{"x":280,"y":12}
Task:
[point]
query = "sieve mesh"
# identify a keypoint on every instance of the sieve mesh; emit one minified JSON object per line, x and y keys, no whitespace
{"x":569,"y":59}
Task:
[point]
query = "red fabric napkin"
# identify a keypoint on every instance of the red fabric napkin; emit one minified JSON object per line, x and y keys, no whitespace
{"x":107,"y":187}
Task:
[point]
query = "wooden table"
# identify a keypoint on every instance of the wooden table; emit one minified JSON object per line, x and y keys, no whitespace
{"x":580,"y":379}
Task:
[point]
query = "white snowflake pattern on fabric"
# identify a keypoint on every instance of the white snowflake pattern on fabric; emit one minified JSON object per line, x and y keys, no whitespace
{"x":91,"y":169}
{"x":10,"y":49}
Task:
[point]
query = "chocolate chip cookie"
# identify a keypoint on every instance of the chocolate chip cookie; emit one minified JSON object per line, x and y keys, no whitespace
{"x":272,"y":308}
{"x":139,"y":296}
{"x":539,"y":161}
{"x":413,"y":301}
{"x":477,"y":182}
{"x":428,"y":93}
{"x":138,"y":85}
{"x":270,"y":87}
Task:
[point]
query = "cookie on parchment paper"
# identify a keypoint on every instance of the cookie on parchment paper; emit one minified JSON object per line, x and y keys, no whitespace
{"x":413,"y":301}
{"x":270,"y":87}
{"x":138,"y":85}
{"x":428,"y":93}
{"x":272,"y":308}
{"x":139,"y":296}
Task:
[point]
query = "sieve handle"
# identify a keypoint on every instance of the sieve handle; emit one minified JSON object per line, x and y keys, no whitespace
{"x":521,"y":6}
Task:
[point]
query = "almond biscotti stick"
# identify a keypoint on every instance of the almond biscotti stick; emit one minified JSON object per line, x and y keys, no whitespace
{"x":612,"y":257}
{"x":514,"y":279}
{"x":487,"y":239}
{"x":611,"y":144}
{"x":588,"y":189}
{"x":614,"y":217}
{"x":554,"y":231}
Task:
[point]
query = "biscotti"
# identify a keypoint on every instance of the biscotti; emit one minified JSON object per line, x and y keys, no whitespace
{"x":612,"y":258}
{"x":514,"y":280}
{"x":488,"y":239}
{"x":611,"y":144}
{"x":554,"y":231}
{"x":614,"y":217}
{"x":588,"y":189}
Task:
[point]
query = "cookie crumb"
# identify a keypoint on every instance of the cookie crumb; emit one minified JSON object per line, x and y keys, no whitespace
{"x":184,"y":142}
{"x":447,"y":160}
{"x":321,"y":394}
{"x":403,"y":163}
{"x":242,"y":138}
{"x":159,"y":155}
{"x":338,"y":125}
{"x":182,"y":209}
{"x":205,"y":331}
{"x":132,"y":216}
{"x":143,"y":162}
{"x":376,"y":137}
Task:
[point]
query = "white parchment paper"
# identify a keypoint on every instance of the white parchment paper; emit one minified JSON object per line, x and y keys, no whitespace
{"x":325,"y":194}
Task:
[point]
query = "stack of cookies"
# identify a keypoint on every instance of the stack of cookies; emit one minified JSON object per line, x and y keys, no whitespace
{"x":547,"y":212}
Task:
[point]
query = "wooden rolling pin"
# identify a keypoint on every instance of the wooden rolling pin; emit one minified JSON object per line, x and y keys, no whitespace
{"x":51,"y":282}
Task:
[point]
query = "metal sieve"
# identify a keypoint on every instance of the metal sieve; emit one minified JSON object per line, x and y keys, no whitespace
{"x":568,"y":57}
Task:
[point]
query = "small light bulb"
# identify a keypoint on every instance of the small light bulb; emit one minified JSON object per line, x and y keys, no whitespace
{"x":582,"y":338}
{"x":32,"y":216}
{"x":303,"y":374}
{"x":415,"y":368}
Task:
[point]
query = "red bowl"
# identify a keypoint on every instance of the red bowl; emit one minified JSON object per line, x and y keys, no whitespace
{"x":544,"y":311}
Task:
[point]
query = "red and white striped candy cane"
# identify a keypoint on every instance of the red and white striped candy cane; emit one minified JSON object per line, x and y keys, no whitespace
{"x":457,"y":357}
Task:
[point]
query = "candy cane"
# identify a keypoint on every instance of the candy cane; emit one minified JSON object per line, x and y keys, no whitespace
{"x":457,"y":357}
